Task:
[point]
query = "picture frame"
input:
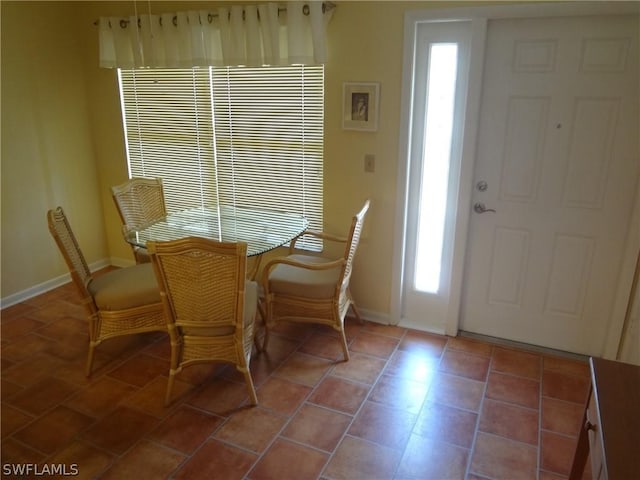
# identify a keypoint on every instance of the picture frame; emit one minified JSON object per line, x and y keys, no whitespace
{"x":360,"y":105}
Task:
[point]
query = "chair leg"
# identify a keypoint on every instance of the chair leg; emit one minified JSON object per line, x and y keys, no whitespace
{"x":92,"y":348}
{"x":174,"y":364}
{"x":167,"y":398}
{"x":94,"y":330}
{"x":256,"y":341}
{"x":265,"y":339}
{"x":247,"y":378}
{"x":345,"y":349}
{"x":265,"y":308}
{"x":355,"y":310}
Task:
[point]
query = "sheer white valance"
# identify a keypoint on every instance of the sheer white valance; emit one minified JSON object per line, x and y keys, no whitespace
{"x":253,"y":35}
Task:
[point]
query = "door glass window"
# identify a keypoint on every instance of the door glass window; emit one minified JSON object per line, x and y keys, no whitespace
{"x":436,"y":158}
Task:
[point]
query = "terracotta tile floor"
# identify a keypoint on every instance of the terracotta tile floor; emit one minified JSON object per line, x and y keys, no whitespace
{"x":408,"y":405}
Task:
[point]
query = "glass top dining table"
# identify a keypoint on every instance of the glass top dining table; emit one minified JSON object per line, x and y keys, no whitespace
{"x":262,"y":230}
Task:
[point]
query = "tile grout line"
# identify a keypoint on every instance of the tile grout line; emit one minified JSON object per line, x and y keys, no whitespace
{"x":540,"y":396}
{"x":424,"y":401}
{"x":110,"y":363}
{"x":289,"y":418}
{"x":323,"y":473}
{"x":293,"y":414}
{"x":472,"y":449}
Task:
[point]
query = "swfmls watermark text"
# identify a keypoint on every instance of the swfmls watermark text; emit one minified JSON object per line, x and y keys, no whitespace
{"x":36,"y":469}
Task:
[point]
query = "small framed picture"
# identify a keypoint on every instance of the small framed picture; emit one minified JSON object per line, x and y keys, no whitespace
{"x":360,"y":106}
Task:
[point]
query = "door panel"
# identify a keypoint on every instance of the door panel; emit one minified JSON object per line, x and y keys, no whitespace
{"x":527,"y":119}
{"x":508,"y":270}
{"x":558,"y":150}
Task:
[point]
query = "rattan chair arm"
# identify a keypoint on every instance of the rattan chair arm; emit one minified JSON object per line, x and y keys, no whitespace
{"x":297,"y":263}
{"x":314,"y":233}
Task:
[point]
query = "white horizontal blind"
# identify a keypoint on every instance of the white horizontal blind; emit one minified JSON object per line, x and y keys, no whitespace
{"x":168,"y":125}
{"x":246,"y":137}
{"x":269,"y":138}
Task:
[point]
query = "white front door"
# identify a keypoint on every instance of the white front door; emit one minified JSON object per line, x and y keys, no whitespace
{"x":558,"y":160}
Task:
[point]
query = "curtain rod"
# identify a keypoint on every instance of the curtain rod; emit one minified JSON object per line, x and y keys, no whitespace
{"x":326,"y":6}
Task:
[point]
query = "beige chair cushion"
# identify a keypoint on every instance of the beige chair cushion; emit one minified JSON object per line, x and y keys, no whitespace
{"x":125,"y":288}
{"x":302,"y":282}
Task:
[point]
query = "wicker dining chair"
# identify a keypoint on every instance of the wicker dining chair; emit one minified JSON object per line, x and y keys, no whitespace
{"x":209,"y":303}
{"x":125,"y":301}
{"x":139,"y":201}
{"x":312,"y":289}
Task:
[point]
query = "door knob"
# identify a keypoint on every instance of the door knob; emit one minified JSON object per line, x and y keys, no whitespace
{"x":480,"y":207}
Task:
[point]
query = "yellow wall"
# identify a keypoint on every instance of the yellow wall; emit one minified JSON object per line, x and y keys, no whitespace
{"x":366,"y":45}
{"x":360,"y":53}
{"x":47,"y":151}
{"x":62,"y":141}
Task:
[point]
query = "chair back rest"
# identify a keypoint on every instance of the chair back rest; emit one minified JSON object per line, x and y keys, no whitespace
{"x":139,"y":201}
{"x":202,"y":282}
{"x":352,"y":242}
{"x":68,"y":245}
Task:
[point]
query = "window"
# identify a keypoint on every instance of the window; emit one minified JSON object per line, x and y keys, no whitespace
{"x":247,"y":137}
{"x":434,"y":102}
{"x":438,"y":131}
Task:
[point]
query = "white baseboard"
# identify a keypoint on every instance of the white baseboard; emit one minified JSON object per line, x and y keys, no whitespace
{"x":375,"y":317}
{"x":44,"y":287}
{"x":522,"y":346}
{"x":385,"y":319}
{"x":421,"y":327}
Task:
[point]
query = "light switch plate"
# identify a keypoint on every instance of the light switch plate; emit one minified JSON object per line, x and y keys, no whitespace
{"x":369,"y":163}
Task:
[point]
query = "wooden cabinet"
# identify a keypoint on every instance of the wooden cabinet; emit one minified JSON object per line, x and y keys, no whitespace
{"x":595,"y":443}
{"x":610,"y":433}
